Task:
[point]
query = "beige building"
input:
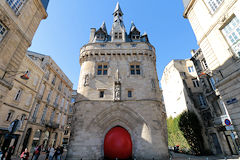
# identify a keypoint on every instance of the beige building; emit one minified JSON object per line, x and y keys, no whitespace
{"x":19,"y":19}
{"x":119,"y":94}
{"x":184,"y":88}
{"x":49,"y":112}
{"x":216,"y":24}
{"x":18,"y":103}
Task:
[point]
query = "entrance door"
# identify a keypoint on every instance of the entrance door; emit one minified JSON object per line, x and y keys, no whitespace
{"x":118,"y":144}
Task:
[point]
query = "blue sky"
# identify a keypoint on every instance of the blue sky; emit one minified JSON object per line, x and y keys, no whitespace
{"x":67,"y":29}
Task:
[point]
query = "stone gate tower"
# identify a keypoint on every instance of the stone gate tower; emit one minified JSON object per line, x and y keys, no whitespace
{"x":118,"y":112}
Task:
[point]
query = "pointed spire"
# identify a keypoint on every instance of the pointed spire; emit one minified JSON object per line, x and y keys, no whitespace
{"x":117,"y":8}
{"x":103,"y":27}
{"x":132,"y":26}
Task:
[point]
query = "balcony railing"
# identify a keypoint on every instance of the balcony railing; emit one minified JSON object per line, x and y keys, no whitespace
{"x":235,"y":48}
{"x":220,"y":121}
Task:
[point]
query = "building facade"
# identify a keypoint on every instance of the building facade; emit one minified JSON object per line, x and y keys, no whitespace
{"x":216,"y":24}
{"x":19,"y":19}
{"x":184,"y":88}
{"x":48,"y":116}
{"x":118,"y":95}
{"x":18,"y":103}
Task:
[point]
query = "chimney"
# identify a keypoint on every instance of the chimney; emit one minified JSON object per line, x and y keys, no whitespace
{"x":92,"y":33}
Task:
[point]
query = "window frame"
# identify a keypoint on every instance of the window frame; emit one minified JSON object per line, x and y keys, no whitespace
{"x":210,"y":4}
{"x":18,"y":95}
{"x":195,"y":83}
{"x":3,"y":26}
{"x":102,"y":71}
{"x":134,"y":70}
{"x":101,"y":94}
{"x":16,"y":5}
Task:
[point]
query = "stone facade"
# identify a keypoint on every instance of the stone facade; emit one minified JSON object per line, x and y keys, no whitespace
{"x":216,"y":28}
{"x":184,"y":88}
{"x":18,"y":103}
{"x":19,"y":23}
{"x":49,"y":112}
{"x":118,"y":86}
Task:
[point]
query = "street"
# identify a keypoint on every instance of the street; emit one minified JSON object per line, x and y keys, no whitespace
{"x":175,"y":156}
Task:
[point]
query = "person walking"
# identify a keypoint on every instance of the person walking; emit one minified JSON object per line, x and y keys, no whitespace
{"x":47,"y":152}
{"x":37,"y":152}
{"x":51,"y":153}
{"x":25,"y":154}
{"x":10,"y":153}
{"x":58,"y":153}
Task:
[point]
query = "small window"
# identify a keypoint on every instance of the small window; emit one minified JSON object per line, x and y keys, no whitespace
{"x":213,"y":4}
{"x":129,"y":94}
{"x":3,"y":31}
{"x":202,"y":100}
{"x":190,"y":69}
{"x":18,"y":95}
{"x":9,"y":116}
{"x":204,"y":64}
{"x":195,"y":82}
{"x":54,"y":80}
{"x":135,"y":69}
{"x":101,"y":94}
{"x":102,"y":69}
{"x":118,"y":35}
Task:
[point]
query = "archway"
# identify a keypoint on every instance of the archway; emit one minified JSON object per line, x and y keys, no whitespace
{"x":117,"y":144}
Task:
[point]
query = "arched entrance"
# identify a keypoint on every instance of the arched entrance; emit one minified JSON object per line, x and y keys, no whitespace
{"x":26,"y":139}
{"x":117,"y":144}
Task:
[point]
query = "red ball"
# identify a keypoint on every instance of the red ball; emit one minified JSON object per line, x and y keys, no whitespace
{"x":118,"y":144}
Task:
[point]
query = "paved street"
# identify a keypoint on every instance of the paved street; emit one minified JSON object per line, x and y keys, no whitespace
{"x":42,"y":157}
{"x":176,"y":156}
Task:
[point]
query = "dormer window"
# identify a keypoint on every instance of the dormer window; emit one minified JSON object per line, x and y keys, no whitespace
{"x":135,"y":37}
{"x":100,"y":37}
{"x":118,"y":35}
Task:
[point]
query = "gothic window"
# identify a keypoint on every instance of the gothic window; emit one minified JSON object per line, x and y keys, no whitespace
{"x":9,"y":115}
{"x":135,"y":69}
{"x":3,"y":31}
{"x":102,"y":69}
{"x":213,"y":4}
{"x":18,"y":95}
{"x":195,"y":82}
{"x":232,"y":33}
{"x":16,"y":5}
{"x":101,"y":94}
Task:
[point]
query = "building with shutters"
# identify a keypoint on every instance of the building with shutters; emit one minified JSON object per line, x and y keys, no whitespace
{"x":216,"y":24}
{"x":49,"y":112}
{"x":18,"y":102}
{"x":118,"y":112}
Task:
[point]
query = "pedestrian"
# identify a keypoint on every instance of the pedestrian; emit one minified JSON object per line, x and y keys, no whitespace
{"x":58,"y":153}
{"x":10,"y":153}
{"x":51,"y":153}
{"x":25,"y":154}
{"x":47,"y":152}
{"x":37,"y":152}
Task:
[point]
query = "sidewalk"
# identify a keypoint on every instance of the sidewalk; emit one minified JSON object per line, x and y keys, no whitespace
{"x":41,"y":157}
{"x":179,"y":156}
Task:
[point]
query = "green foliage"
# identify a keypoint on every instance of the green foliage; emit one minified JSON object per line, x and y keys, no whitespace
{"x":175,"y":135}
{"x":192,"y":131}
